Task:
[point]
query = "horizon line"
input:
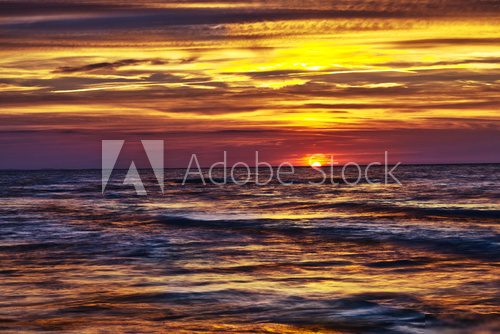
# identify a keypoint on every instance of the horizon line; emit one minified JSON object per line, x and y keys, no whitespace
{"x":238,"y":167}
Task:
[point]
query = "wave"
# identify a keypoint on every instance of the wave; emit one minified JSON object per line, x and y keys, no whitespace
{"x":468,"y":243}
{"x":410,"y":210}
{"x":356,"y":313}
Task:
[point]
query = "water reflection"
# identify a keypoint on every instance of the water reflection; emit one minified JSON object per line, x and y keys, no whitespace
{"x":299,"y":259}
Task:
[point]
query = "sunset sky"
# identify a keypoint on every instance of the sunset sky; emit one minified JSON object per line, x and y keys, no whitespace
{"x":417,"y":78}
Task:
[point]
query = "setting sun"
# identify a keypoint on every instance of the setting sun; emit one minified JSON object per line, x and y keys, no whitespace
{"x":318,"y":159}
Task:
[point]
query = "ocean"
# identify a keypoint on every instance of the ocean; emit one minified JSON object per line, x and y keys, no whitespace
{"x":421,"y":257}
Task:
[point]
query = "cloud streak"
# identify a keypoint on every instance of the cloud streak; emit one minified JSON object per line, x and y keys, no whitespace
{"x":108,"y":65}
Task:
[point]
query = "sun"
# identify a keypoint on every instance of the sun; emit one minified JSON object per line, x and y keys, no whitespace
{"x":316,"y":164}
{"x":317,"y":160}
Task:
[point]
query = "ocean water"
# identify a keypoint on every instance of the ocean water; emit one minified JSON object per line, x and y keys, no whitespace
{"x":370,"y":258}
